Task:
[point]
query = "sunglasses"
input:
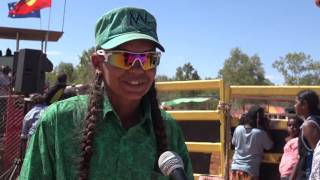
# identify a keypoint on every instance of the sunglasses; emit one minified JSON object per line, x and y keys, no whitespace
{"x":126,"y":60}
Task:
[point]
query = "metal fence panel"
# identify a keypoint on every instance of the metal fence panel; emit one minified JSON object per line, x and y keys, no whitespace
{"x":12,"y":110}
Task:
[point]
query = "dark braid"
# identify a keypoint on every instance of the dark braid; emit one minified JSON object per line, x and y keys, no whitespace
{"x":158,"y":123}
{"x":93,"y":115}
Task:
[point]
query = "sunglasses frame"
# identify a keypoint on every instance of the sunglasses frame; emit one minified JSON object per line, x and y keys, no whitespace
{"x":107,"y":53}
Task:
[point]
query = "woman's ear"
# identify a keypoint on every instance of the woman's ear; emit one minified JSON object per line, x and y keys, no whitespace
{"x":97,"y":60}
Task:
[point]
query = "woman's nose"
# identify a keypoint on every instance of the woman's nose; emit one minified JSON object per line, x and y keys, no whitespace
{"x":137,"y":66}
{"x":136,"y":63}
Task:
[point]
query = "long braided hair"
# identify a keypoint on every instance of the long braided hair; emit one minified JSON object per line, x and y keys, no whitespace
{"x":95,"y":113}
{"x":157,"y":120}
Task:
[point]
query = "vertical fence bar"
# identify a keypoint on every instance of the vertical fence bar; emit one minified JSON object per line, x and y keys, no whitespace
{"x":227,"y":136}
{"x":222,"y":129}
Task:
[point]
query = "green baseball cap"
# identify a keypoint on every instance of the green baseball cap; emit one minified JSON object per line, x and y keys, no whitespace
{"x":122,"y":25}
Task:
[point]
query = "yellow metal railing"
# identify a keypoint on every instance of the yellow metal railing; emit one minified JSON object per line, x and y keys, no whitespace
{"x":207,"y":115}
{"x":188,"y":85}
{"x":270,"y":90}
{"x":204,"y":147}
{"x":226,"y":93}
{"x":279,"y":124}
{"x":196,"y":115}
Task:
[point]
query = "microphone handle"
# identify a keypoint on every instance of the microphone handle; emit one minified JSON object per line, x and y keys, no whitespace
{"x":178,"y":174}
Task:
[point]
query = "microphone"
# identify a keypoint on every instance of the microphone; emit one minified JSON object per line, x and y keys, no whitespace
{"x":171,"y":164}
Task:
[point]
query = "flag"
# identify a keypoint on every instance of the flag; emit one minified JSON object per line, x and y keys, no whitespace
{"x":11,"y":6}
{"x":24,"y":7}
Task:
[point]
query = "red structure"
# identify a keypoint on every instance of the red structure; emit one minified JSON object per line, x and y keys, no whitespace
{"x":13,"y":121}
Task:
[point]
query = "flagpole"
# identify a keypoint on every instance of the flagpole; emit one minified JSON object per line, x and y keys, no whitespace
{"x":40,"y":20}
{"x":64,"y":13}
{"x":47,"y":34}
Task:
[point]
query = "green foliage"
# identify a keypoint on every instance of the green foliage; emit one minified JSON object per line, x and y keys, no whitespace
{"x":84,"y":72}
{"x":240,"y":69}
{"x":68,"y":69}
{"x":51,"y":77}
{"x":163,"y":78}
{"x":81,"y":74}
{"x":186,"y":72}
{"x":298,"y":69}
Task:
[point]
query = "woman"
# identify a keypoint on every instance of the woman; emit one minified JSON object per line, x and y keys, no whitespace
{"x":307,"y":102}
{"x":124,"y":131}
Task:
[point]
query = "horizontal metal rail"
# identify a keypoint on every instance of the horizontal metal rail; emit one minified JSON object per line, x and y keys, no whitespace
{"x":203,"y":147}
{"x":193,"y":115}
{"x":270,"y":90}
{"x":188,"y":85}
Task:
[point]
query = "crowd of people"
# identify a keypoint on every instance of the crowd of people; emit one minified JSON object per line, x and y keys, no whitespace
{"x":301,"y":153}
{"x":119,"y":126}
{"x":38,"y":102}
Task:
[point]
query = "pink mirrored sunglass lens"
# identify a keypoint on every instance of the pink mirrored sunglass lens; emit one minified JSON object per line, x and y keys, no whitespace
{"x":131,"y":58}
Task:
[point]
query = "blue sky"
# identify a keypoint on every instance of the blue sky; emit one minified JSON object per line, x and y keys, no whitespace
{"x":198,"y":31}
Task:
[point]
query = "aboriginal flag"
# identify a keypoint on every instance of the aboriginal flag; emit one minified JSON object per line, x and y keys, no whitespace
{"x":24,"y":7}
{"x":11,"y":6}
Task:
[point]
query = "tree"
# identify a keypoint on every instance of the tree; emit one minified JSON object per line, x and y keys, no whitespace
{"x":184,"y":73}
{"x":51,"y":77}
{"x":298,"y":69}
{"x":68,"y":69}
{"x":240,"y":69}
{"x":84,"y":71}
{"x":187,"y":72}
{"x":162,"y":78}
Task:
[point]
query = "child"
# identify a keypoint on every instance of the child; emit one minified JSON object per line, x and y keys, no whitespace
{"x":250,"y":140}
{"x":290,"y":151}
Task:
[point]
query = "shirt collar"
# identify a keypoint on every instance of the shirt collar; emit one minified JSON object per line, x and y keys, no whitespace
{"x":145,"y":108}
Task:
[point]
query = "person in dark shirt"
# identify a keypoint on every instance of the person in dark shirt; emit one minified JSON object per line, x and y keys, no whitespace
{"x":8,"y":52}
{"x":56,"y":92}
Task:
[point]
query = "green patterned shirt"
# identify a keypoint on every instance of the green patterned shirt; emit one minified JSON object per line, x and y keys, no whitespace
{"x":54,"y":150}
